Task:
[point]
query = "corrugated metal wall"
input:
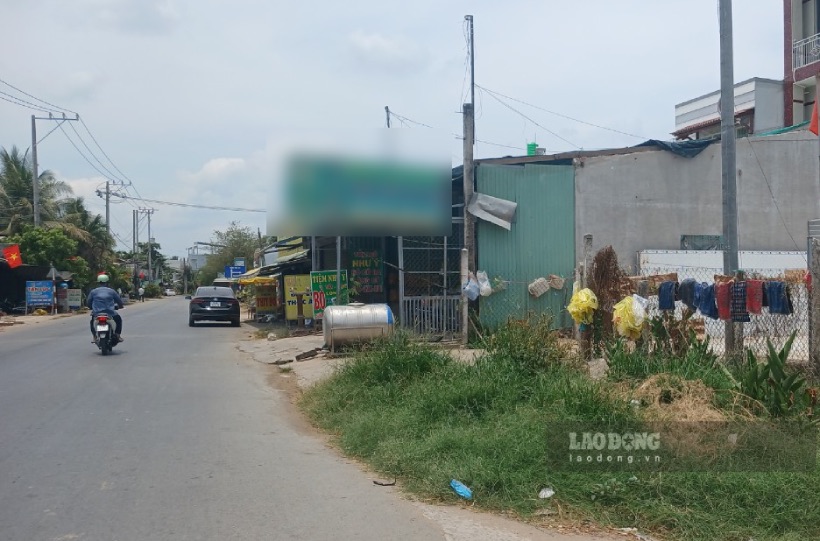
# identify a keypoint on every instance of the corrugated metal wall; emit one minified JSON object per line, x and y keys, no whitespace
{"x":541,"y":241}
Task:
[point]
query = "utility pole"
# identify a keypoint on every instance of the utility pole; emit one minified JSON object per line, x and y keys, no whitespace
{"x":387,"y":113}
{"x":35,"y":180}
{"x":148,"y":212}
{"x":728,"y":157}
{"x":468,"y":253}
{"x":469,"y":19}
{"x":107,"y":208}
{"x":134,"y":249}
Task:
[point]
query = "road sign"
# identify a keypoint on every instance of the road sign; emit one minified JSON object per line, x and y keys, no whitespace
{"x":233,"y":271}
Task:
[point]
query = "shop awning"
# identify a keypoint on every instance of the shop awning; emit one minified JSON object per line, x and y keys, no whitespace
{"x":257,"y":280}
{"x":298,"y":257}
{"x":250,"y":274}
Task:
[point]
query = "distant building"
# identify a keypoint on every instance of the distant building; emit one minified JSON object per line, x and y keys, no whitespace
{"x":801,"y":54}
{"x":759,"y":108}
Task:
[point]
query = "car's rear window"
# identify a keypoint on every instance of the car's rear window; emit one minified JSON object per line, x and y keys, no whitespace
{"x":214,"y":292}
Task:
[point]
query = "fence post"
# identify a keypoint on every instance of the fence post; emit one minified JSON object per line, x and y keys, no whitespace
{"x":465,"y":304}
{"x":586,"y":335}
{"x":814,"y":307}
{"x":740,"y":276}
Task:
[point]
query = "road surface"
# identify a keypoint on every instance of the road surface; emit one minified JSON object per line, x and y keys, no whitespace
{"x":179,"y":436}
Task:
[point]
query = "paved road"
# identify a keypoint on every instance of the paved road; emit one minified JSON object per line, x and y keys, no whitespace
{"x":175,"y":436}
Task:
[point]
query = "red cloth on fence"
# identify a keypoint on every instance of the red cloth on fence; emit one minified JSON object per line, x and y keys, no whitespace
{"x":723,"y":296}
{"x":754,"y":296}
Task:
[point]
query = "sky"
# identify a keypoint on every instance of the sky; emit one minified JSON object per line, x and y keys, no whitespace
{"x":200,"y":101}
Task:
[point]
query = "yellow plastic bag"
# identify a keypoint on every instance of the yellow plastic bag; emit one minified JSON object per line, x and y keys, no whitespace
{"x":582,"y":305}
{"x":627,"y":322}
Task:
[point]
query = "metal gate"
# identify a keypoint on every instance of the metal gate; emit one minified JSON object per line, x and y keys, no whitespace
{"x":429,"y":288}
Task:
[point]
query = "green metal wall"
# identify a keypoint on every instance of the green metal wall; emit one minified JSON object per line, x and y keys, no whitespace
{"x":541,"y":241}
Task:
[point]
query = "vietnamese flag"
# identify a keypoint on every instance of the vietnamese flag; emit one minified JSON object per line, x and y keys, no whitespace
{"x":12,"y":255}
{"x":813,"y":124}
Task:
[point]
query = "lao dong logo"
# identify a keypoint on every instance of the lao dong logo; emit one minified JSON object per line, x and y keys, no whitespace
{"x":613,"y":447}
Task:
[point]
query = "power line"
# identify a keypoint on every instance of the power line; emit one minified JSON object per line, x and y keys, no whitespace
{"x":60,"y":109}
{"x":80,"y":152}
{"x":189,"y":205}
{"x":22,"y":103}
{"x":103,"y":151}
{"x":491,"y":92}
{"x":112,"y":175}
{"x":402,"y":118}
{"x":516,"y":111}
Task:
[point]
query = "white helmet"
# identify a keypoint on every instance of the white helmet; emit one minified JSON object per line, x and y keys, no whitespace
{"x":102,"y":278}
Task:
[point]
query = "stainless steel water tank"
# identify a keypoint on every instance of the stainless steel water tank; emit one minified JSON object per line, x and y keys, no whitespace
{"x":356,"y":322}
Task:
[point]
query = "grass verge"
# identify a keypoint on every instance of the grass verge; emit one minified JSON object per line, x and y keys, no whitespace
{"x":412,"y":412}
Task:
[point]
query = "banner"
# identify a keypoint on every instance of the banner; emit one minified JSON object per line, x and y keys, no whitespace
{"x":265,"y":299}
{"x":40,"y":293}
{"x":75,"y":299}
{"x":323,"y":285}
{"x":367,"y":270}
{"x":298,"y":283}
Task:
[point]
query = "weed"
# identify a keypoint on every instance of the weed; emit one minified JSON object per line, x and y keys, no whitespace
{"x":769,"y":384}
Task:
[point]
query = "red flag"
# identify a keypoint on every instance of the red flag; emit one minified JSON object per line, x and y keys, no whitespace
{"x":813,"y":123}
{"x":12,"y":256}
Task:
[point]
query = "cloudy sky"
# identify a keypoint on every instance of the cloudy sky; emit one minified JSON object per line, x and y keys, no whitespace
{"x":195,"y":101}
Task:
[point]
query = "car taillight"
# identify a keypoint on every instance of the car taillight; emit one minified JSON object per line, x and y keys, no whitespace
{"x":197,"y":301}
{"x":233,"y":302}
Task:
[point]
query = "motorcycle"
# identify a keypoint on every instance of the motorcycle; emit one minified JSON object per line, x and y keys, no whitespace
{"x":104,"y":335}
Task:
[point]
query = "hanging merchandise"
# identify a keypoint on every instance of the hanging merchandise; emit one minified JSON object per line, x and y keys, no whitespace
{"x":624,"y":318}
{"x":686,"y":293}
{"x":471,"y":288}
{"x":754,"y":296}
{"x":723,"y":299}
{"x":739,"y":313}
{"x":484,"y":286}
{"x":666,"y":295}
{"x":538,"y":287}
{"x":582,"y":305}
{"x":705,"y":298}
{"x":777,"y":295}
{"x":555,"y":282}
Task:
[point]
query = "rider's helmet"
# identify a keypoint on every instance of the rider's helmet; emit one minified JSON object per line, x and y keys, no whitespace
{"x":102,"y":278}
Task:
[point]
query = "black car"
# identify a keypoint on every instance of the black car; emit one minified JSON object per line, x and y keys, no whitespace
{"x":213,"y":303}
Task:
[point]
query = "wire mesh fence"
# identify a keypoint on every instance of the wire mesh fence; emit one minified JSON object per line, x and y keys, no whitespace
{"x":762,"y":327}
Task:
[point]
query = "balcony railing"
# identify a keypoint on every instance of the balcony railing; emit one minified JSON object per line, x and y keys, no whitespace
{"x":806,"y":51}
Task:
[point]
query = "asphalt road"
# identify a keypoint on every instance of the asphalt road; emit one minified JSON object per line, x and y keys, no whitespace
{"x":175,"y":436}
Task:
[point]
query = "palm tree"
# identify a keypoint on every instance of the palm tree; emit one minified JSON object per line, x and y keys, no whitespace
{"x":95,"y":243}
{"x":17,"y":192}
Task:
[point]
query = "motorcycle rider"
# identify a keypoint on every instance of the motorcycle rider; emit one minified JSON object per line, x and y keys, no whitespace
{"x":104,"y":300}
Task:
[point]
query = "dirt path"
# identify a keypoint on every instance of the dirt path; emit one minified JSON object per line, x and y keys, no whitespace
{"x":458,"y":523}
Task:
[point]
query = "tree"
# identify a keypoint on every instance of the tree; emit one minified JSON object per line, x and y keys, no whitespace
{"x":95,"y":244}
{"x":49,"y":246}
{"x":17,"y":193}
{"x":235,"y":241}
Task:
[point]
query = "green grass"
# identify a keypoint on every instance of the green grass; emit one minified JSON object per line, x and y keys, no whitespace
{"x":411,"y":412}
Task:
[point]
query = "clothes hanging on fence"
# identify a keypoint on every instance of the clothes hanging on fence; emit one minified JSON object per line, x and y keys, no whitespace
{"x":779,"y":299}
{"x":706,"y":300}
{"x":723,"y":297}
{"x":754,"y":296}
{"x":686,"y":293}
{"x":739,"y":313}
{"x":666,"y":295}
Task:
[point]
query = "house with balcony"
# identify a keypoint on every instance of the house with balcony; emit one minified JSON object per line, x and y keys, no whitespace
{"x":801,"y":55}
{"x":759,"y":106}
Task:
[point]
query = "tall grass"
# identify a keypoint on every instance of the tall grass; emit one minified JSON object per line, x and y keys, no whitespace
{"x":412,"y":412}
